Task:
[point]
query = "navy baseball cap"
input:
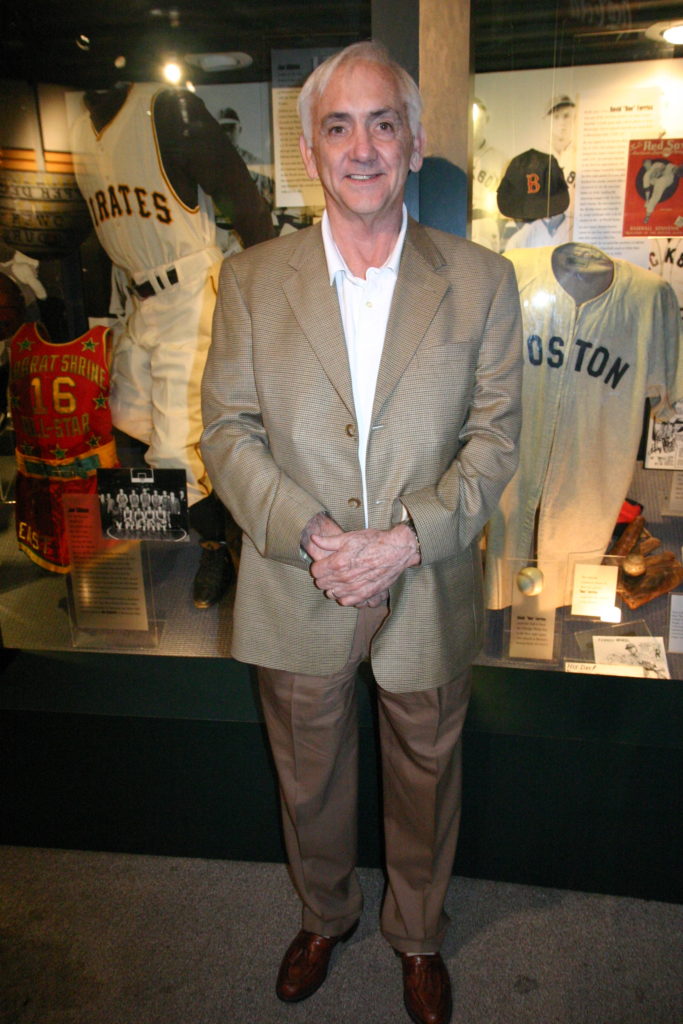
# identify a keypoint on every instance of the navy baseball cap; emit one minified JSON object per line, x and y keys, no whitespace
{"x":533,"y":186}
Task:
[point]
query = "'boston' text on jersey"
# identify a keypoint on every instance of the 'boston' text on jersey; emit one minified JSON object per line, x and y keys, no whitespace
{"x":595,"y":360}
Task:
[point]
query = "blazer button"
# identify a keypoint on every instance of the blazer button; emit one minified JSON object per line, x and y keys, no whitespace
{"x":350,"y":430}
{"x":354,"y":502}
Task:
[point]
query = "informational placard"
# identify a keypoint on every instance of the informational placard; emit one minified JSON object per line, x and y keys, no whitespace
{"x":594,"y":592}
{"x":106,"y":584}
{"x":653,"y":202}
{"x":290,"y":69}
{"x":607,"y":121}
{"x":676,"y":624}
{"x":532,"y":628}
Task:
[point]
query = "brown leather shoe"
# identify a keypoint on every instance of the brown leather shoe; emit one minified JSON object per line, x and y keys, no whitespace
{"x":304,"y":965}
{"x":426,"y":988}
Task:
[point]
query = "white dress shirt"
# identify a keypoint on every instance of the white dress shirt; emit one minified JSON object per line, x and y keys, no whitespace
{"x":364,"y":305}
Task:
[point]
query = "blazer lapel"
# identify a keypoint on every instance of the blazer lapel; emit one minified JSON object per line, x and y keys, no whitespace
{"x":315,"y":304}
{"x":417,"y":296}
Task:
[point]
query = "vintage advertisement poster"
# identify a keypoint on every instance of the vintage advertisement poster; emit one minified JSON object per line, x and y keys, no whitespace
{"x":653,"y":201}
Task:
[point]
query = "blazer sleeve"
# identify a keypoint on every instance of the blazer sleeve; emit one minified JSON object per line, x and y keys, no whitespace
{"x":449,"y":515}
{"x":267,"y":504}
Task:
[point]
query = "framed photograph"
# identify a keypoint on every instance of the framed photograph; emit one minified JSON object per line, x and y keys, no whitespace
{"x":143,"y":504}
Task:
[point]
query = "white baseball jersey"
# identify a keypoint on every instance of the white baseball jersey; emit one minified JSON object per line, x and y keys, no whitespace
{"x":170,"y":250}
{"x":140,"y":221}
{"x":536,"y":234}
{"x":587,"y":371}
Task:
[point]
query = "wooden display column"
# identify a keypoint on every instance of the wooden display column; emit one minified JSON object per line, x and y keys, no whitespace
{"x":432,"y":40}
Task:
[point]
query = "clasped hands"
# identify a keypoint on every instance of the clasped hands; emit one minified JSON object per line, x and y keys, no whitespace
{"x":357,"y":568}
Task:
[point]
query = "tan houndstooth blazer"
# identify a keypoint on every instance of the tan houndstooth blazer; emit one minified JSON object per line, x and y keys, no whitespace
{"x":280,"y":445}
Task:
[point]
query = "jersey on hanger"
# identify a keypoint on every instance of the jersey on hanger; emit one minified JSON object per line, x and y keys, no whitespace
{"x":588,"y":369}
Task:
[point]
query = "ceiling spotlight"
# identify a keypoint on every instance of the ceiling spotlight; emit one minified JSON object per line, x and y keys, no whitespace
{"x":120,"y":62}
{"x":666,"y":31}
{"x":82,"y":42}
{"x":219,"y":61}
{"x":172,"y":72}
{"x":674,"y":35}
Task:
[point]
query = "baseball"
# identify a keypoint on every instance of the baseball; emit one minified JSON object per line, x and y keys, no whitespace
{"x":634,"y":565}
{"x":530,"y":580}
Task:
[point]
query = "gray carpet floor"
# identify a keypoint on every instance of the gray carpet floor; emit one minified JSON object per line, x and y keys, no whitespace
{"x":96,"y":938}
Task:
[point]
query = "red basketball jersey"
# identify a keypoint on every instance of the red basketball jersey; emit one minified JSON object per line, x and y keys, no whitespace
{"x":60,"y":411}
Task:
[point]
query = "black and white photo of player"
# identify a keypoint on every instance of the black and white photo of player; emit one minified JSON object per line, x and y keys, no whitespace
{"x":560,"y":112}
{"x":488,"y":166}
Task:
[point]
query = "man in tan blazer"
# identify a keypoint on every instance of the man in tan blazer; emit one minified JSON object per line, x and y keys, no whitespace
{"x":361,"y":409}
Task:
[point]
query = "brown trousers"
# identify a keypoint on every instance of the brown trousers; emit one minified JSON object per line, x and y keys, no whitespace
{"x":313,"y":731}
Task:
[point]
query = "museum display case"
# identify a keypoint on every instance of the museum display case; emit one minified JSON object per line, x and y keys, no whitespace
{"x":575,"y":175}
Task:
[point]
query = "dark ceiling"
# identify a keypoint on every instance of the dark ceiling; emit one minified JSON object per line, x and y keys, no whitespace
{"x":39,"y":39}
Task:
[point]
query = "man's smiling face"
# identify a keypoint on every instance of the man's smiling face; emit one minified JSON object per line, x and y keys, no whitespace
{"x":362,"y":146}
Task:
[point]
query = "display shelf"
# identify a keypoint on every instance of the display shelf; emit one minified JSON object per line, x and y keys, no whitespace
{"x":34,"y":608}
{"x":651,"y":488}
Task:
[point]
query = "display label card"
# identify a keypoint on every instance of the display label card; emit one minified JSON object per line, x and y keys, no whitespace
{"x":532,"y":629}
{"x":676,"y":624}
{"x":591,"y":669}
{"x":595,"y":591}
{"x":645,"y":653}
{"x":107,"y":585}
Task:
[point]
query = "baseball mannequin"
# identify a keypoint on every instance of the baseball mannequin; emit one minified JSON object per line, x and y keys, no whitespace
{"x":151,"y":162}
